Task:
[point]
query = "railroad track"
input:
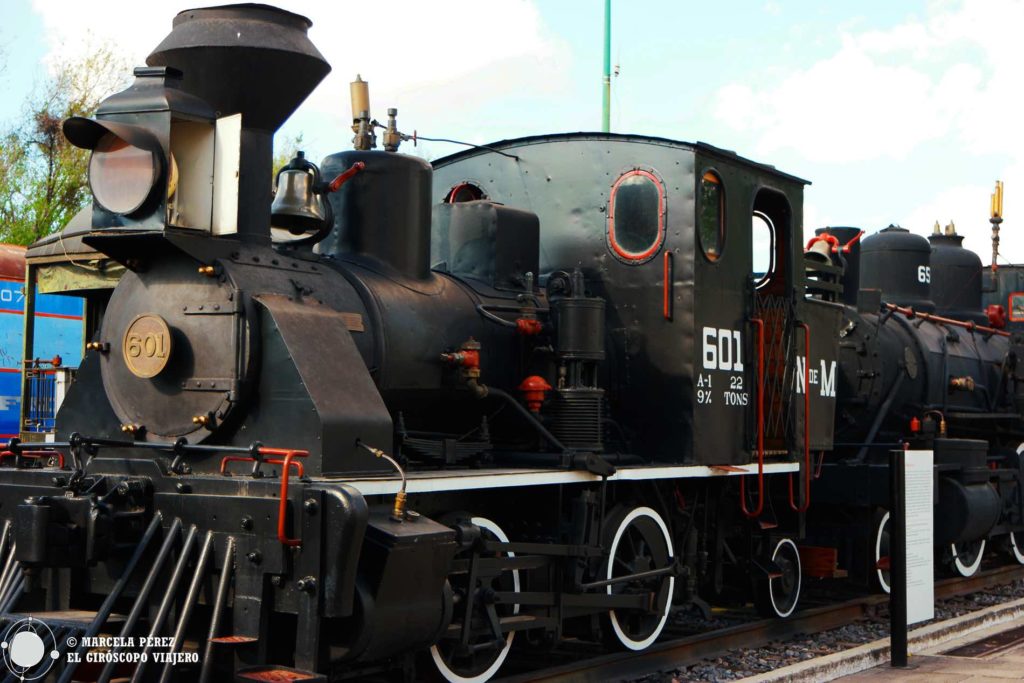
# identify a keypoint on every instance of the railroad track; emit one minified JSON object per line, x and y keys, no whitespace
{"x":675,"y":653}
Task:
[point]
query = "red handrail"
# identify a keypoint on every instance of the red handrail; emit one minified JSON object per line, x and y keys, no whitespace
{"x":666,"y":303}
{"x":938,"y":319}
{"x":760,"y":430}
{"x":287,"y":463}
{"x":299,"y":468}
{"x":282,"y":510}
{"x":807,"y":426}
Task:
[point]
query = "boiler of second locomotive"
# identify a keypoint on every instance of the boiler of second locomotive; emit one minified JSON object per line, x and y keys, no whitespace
{"x":898,"y":361}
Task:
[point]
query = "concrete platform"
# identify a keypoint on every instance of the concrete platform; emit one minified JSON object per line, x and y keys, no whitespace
{"x":929,"y":659}
{"x":936,"y":665}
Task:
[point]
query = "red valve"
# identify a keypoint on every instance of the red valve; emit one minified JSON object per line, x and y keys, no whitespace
{"x":345,"y":176}
{"x":466,"y":358}
{"x":996,"y":316}
{"x":849,"y":245}
{"x":529,"y":327}
{"x":534,"y":388}
{"x":915,"y":425}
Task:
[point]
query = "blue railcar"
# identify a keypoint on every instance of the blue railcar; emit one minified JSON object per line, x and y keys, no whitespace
{"x":58,"y":344}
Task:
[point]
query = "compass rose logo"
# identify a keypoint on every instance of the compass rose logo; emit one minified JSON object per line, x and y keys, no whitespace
{"x":24,"y":649}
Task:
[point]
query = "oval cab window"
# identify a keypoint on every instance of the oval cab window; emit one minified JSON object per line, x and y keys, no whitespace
{"x":636,"y":216}
{"x":711,"y":215}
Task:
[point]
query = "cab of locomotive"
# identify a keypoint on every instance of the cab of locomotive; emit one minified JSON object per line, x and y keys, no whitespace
{"x":698,"y":254}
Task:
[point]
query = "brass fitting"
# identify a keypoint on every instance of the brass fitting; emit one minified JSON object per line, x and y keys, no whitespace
{"x":201,"y":420}
{"x":398,"y":511}
{"x":942,"y":421}
{"x":132,"y":429}
{"x":208,"y":271}
{"x":965,"y":383}
{"x":392,"y":138}
{"x":102,"y":347}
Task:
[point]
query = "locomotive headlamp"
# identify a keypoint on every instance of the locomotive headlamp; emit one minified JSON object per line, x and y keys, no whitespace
{"x":125,"y":165}
{"x":121,"y":176}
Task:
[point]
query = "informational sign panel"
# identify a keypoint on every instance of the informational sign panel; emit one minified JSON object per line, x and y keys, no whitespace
{"x":920,"y":536}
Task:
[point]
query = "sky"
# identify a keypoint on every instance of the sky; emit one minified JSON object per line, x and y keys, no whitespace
{"x":897,"y":112}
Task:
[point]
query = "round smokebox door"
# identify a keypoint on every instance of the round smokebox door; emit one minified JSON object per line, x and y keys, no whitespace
{"x":179,"y":351}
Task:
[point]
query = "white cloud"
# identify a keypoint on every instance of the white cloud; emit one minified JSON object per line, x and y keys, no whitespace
{"x":968,"y":207}
{"x":427,"y":57}
{"x":943,"y":88}
{"x":884,"y":93}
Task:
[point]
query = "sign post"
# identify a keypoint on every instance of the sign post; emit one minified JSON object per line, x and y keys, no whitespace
{"x":911,"y":538}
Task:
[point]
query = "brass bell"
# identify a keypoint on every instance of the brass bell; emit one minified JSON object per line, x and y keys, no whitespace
{"x":298,"y":207}
{"x":820,"y":251}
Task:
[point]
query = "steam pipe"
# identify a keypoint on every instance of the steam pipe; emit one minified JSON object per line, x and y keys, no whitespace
{"x":398,"y":510}
{"x":534,"y":422}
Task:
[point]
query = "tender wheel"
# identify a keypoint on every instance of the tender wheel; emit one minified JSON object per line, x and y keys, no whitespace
{"x":966,"y":557}
{"x":640,"y":542}
{"x":483,"y":657}
{"x":778,"y":594}
{"x":882,"y":557}
{"x":1015,"y":545}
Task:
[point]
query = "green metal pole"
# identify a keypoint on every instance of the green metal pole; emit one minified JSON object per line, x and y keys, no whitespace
{"x":606,"y":109}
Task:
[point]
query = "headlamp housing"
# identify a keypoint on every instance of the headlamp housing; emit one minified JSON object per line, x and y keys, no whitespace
{"x":121,"y":175}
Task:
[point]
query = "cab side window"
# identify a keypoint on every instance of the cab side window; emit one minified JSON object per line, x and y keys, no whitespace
{"x":636,"y":216}
{"x":711,"y":215}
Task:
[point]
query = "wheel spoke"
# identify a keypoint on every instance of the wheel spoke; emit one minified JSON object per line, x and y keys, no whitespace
{"x":488,"y":646}
{"x":641,"y":542}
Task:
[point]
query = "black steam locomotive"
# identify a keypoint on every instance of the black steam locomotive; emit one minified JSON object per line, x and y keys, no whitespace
{"x":924,"y":365}
{"x":398,"y":415}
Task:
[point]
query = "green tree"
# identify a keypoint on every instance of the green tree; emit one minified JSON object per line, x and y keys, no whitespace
{"x":43,"y":178}
{"x":285,"y":147}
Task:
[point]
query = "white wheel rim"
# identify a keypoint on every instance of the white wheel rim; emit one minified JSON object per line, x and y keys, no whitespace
{"x":971,"y":569}
{"x":878,"y":552}
{"x":799,"y":578}
{"x":435,"y":654}
{"x":1018,"y":550}
{"x":616,"y":626}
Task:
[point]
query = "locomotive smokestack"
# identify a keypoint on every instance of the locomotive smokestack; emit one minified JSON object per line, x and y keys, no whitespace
{"x":254,"y":60}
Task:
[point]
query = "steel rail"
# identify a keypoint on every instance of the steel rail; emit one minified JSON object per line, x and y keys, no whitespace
{"x":671,"y":654}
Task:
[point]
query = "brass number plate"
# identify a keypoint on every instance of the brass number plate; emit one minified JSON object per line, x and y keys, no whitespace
{"x":147,"y":346}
